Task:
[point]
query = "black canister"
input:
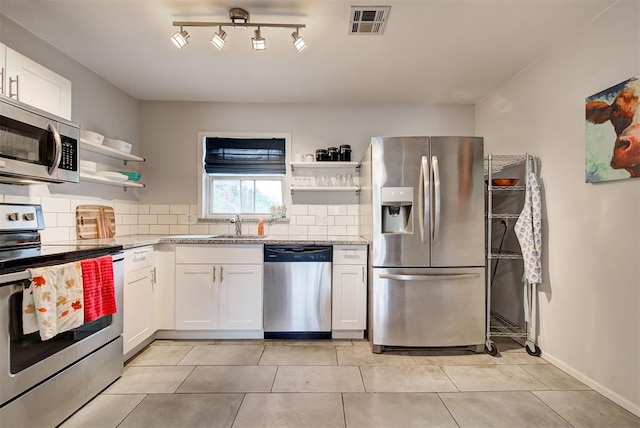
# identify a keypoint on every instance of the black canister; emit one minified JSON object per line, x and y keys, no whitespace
{"x":334,"y":154}
{"x":345,"y":153}
{"x":321,"y":155}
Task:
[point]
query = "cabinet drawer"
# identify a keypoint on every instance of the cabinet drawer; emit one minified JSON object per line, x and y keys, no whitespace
{"x":219,"y":254}
{"x":349,"y":254}
{"x":138,"y":258}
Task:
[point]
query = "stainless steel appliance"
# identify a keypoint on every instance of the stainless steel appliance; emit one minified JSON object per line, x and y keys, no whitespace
{"x":297,"y":292}
{"x":36,"y":146}
{"x":44,"y":382}
{"x":422,"y":209}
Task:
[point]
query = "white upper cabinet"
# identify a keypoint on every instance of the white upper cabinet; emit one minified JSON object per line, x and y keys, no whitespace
{"x":31,"y":83}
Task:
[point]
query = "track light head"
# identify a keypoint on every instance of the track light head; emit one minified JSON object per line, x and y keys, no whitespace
{"x":219,"y":38}
{"x":259,"y":43}
{"x":298,"y":42}
{"x":180,"y":38}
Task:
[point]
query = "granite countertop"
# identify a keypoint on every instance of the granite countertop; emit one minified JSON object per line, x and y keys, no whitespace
{"x":133,"y":241}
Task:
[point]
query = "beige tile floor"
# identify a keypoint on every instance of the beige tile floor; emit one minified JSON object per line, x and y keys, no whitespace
{"x":342,"y":384}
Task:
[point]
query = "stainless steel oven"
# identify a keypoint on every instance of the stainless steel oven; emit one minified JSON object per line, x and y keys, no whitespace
{"x":36,"y":146}
{"x":63,"y":373}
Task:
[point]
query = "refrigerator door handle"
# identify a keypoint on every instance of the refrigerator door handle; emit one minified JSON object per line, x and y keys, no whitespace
{"x":435,"y":231}
{"x":427,"y":277}
{"x":423,"y":198}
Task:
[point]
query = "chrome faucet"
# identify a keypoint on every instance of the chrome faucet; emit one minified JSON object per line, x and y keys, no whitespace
{"x":236,"y":220}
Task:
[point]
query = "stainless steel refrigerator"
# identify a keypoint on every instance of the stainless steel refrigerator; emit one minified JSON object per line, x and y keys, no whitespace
{"x":422,"y":210}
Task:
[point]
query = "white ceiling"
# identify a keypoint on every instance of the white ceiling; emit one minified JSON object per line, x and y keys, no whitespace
{"x":453,"y":51}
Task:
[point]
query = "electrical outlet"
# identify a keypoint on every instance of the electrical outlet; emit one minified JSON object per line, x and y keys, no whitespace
{"x":192,"y":218}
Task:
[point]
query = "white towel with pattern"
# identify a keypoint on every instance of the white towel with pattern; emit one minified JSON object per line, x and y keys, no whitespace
{"x":528,"y":229}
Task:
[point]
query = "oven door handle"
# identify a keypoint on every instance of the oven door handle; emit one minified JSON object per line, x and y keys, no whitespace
{"x":57,"y":149}
{"x":13,"y":277}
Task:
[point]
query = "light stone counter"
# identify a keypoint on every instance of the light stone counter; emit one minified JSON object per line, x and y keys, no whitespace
{"x":134,"y":241}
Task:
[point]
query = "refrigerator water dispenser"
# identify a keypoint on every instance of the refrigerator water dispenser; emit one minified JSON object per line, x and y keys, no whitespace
{"x":396,"y":204}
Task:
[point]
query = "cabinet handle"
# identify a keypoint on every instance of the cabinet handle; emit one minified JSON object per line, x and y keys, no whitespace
{"x":362,"y":273}
{"x":214,"y":274}
{"x":136,"y":280}
{"x":140,"y":255}
{"x":2,"y":80}
{"x":221,"y":277}
{"x":17,"y":82}
{"x":153,"y":276}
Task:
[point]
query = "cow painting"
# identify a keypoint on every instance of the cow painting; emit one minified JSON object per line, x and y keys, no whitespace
{"x":613,"y":133}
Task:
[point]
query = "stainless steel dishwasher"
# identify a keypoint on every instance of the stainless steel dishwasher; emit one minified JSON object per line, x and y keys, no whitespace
{"x":297,"y":292}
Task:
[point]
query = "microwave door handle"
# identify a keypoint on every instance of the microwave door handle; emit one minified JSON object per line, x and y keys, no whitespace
{"x":57,"y":149}
{"x":435,"y":168}
{"x":423,"y":199}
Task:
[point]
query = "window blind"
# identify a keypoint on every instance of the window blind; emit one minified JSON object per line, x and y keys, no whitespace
{"x":245,"y":156}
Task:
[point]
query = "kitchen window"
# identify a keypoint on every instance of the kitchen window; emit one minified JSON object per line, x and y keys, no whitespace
{"x":242,"y":174}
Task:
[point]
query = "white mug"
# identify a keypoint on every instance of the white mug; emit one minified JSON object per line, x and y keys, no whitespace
{"x":298,"y":157}
{"x":309,"y":157}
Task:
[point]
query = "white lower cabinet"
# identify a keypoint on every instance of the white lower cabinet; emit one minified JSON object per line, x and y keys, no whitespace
{"x":349,"y":294}
{"x":139,"y":300}
{"x":196,"y":297}
{"x":218,"y":287}
{"x":240,"y":297}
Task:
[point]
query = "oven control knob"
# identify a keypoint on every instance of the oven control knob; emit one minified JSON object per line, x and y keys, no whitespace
{"x":29,"y":216}
{"x":13,"y":216}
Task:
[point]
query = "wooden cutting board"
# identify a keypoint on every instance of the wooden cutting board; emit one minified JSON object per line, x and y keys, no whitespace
{"x":95,"y":221}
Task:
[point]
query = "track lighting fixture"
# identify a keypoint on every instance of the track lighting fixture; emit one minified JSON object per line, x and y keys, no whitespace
{"x":180,"y":38}
{"x":239,"y":18}
{"x":298,"y":42}
{"x":259,"y":43}
{"x":218,"y":39}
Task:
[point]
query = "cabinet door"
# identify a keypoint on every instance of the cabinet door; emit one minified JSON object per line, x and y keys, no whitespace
{"x":37,"y":85}
{"x":138,"y":308}
{"x":3,"y":69}
{"x":241,"y":297}
{"x":349,"y":297}
{"x":196,"y":297}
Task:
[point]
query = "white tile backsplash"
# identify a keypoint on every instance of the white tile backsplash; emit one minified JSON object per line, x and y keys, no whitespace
{"x":179,"y":209}
{"x":178,"y":229}
{"x":337,"y":210}
{"x":56,"y":205}
{"x":317,"y":210}
{"x":147,"y":219}
{"x":159,"y":229}
{"x":133,"y":218}
{"x":167,"y":219}
{"x":299,"y":210}
{"x":159,"y":209}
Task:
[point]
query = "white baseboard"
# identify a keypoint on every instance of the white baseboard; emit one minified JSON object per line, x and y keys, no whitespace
{"x":209,"y":334}
{"x":611,"y":395}
{"x":347,"y":334}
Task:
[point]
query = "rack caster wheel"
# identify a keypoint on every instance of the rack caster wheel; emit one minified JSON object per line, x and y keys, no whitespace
{"x":532,"y":349}
{"x":491,"y":349}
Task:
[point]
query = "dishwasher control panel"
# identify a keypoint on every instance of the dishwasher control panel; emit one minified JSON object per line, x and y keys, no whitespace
{"x":297,"y":253}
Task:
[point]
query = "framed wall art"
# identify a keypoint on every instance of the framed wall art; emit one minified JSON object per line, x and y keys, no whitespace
{"x":612,"y":133}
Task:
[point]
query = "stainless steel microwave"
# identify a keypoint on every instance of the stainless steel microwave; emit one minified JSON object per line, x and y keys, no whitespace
{"x":36,"y":146}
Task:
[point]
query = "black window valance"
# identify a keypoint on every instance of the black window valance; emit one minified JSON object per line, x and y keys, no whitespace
{"x":245,"y":155}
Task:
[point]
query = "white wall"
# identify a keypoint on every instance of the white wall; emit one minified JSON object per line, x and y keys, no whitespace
{"x":589,"y":314}
{"x":169,"y":133}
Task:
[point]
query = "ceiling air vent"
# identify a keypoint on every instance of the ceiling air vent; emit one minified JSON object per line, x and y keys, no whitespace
{"x":368,"y":19}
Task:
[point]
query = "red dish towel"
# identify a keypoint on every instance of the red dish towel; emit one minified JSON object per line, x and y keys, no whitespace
{"x":99,"y":288}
